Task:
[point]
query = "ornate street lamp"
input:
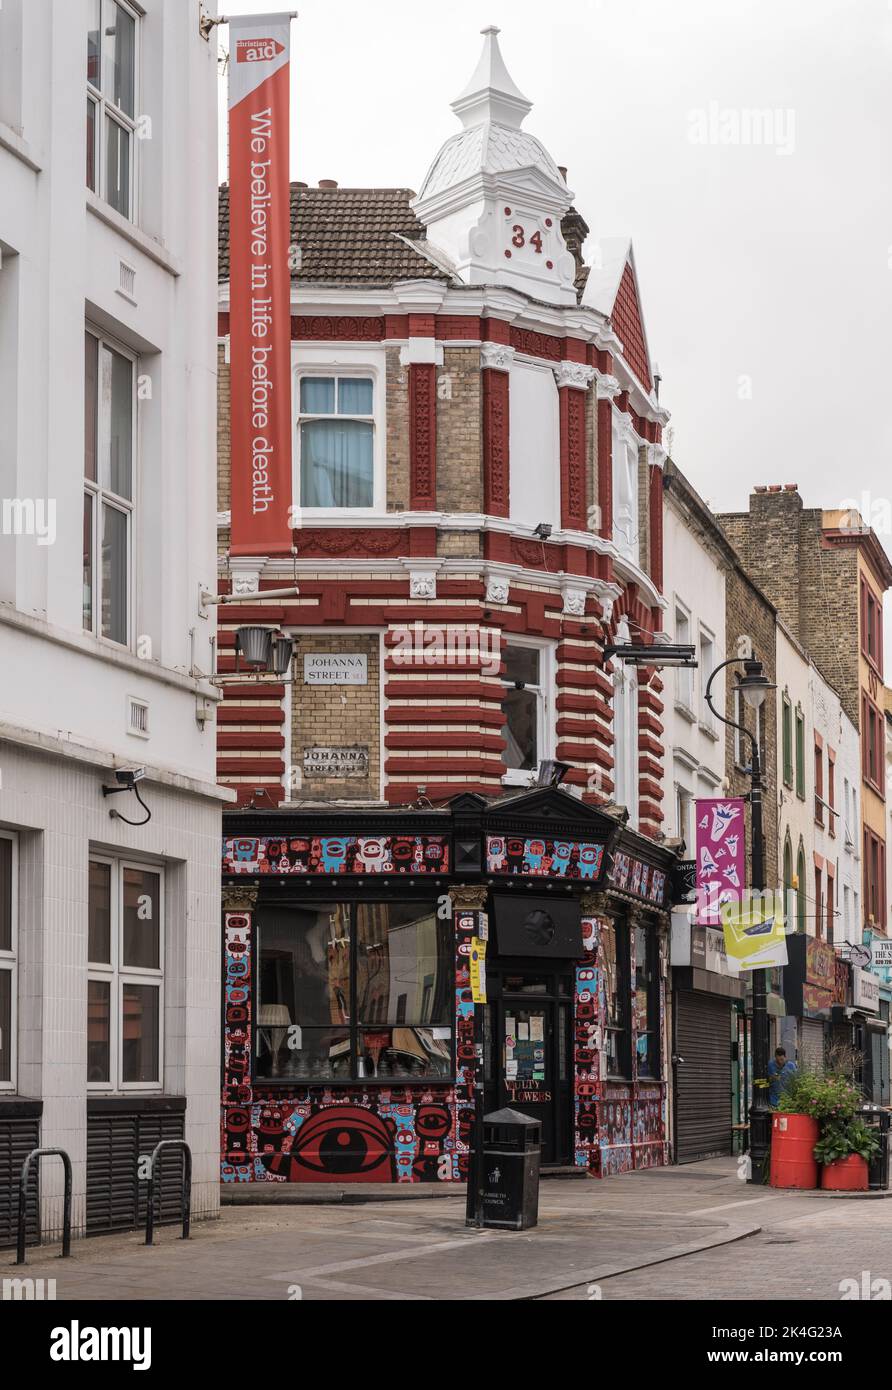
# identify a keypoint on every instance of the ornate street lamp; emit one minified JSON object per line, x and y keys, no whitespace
{"x":754,"y":687}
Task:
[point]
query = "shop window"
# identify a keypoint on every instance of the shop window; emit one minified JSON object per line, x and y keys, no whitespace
{"x":647,"y":1003}
{"x":336,"y":431}
{"x":109,"y":439}
{"x":524,"y":707}
{"x":8,"y":960}
{"x":617,"y":988}
{"x":125,"y":976}
{"x":351,"y":991}
{"x":111,"y":103}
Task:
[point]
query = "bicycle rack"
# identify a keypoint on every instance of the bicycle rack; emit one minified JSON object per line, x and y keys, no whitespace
{"x":23,"y":1196}
{"x":187,"y":1187}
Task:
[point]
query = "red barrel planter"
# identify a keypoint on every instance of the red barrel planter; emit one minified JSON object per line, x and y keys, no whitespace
{"x":793,"y":1138}
{"x":845,"y":1175}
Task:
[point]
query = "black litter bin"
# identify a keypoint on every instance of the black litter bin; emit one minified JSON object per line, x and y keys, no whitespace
{"x":512,"y":1146}
{"x":880,"y":1120}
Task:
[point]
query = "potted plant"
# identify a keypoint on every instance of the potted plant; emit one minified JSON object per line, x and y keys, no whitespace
{"x":809,"y":1104}
{"x":845,"y":1148}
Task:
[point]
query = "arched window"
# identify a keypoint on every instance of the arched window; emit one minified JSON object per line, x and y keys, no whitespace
{"x":800,"y":889}
{"x":789,"y":900}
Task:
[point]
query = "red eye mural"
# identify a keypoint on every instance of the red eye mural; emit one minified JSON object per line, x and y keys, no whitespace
{"x":432,"y":1122}
{"x":344,"y":1142}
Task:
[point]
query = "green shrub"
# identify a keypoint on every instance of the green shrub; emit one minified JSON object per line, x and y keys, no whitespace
{"x":841,"y":1139}
{"x":829,"y":1099}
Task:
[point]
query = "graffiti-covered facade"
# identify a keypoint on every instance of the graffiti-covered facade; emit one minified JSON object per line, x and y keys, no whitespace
{"x":349,"y":1021}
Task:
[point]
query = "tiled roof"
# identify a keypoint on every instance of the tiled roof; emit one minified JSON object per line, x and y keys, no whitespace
{"x":347,"y":236}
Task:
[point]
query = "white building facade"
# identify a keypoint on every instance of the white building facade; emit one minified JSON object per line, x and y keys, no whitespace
{"x":109,"y":904}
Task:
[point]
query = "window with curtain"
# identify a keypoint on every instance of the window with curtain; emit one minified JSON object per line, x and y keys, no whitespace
{"x":111,"y":102}
{"x":352,"y":991}
{"x":109,"y":432}
{"x":337,"y":441}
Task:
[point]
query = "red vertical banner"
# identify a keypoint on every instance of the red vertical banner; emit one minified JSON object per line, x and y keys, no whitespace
{"x":260,"y":284}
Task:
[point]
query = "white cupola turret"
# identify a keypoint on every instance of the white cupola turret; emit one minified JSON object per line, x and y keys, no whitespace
{"x":493,"y":198}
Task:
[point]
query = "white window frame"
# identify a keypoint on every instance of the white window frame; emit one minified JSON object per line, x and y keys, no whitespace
{"x":322,"y":362}
{"x":101,"y":495}
{"x":117,"y":975}
{"x":626,"y":510}
{"x":105,"y":110}
{"x":9,"y":964}
{"x":705,"y":717}
{"x":684,"y":675}
{"x":684,"y":814}
{"x":545,"y":739}
{"x":626,"y":764}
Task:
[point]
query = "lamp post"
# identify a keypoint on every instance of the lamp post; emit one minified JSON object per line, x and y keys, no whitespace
{"x":754,"y":686}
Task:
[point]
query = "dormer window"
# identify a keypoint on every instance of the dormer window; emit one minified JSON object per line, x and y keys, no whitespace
{"x":336,"y":441}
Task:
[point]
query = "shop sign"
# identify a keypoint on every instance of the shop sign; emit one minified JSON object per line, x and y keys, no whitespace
{"x":820,"y":975}
{"x":336,"y":668}
{"x":865,"y":991}
{"x":855,"y":955}
{"x":881,"y":953}
{"x":754,"y":931}
{"x":336,"y":762}
{"x":716,"y":955}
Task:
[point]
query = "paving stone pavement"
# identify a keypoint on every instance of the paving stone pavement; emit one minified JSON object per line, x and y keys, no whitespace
{"x":659,"y":1234}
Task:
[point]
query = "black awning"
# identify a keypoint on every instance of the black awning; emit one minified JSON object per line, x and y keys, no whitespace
{"x":538,"y":926}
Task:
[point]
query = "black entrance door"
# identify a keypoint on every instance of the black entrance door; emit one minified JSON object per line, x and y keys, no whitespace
{"x":527,"y":1049}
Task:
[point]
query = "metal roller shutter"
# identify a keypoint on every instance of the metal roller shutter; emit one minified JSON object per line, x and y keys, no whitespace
{"x":811,"y":1046}
{"x":17,"y":1138}
{"x":703,"y":1079}
{"x":116,"y":1198}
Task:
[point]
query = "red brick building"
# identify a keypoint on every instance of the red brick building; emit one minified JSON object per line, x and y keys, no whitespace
{"x":478,"y":513}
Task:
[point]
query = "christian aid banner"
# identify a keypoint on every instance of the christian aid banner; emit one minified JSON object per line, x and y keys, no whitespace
{"x":259,"y":284}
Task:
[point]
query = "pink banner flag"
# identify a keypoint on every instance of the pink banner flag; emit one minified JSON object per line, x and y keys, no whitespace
{"x":721,"y":856}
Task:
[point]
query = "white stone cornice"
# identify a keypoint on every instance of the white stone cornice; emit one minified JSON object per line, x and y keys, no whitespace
{"x":496,"y":357}
{"x":420,"y":296}
{"x":576,"y":375}
{"x":608,"y":388}
{"x":423,"y":351}
{"x":657,"y":455}
{"x":498,"y":582}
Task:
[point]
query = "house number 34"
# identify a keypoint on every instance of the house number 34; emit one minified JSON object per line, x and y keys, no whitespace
{"x":519,"y":238}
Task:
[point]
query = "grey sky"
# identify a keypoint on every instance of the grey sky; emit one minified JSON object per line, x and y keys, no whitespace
{"x":776,"y":267}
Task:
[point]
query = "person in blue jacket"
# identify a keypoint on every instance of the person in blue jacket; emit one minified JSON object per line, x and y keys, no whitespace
{"x":780,"y":1073}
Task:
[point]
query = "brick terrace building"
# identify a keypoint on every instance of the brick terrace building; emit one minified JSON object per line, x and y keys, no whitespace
{"x":478,"y":494}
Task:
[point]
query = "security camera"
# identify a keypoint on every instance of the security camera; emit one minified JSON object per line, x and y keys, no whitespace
{"x":129,"y":776}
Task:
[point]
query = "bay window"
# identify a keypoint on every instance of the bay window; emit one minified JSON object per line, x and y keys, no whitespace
{"x":354,"y":990}
{"x":336,"y":441}
{"x":109,"y":453}
{"x":125,"y":949}
{"x":8,"y":960}
{"x":111,"y":102}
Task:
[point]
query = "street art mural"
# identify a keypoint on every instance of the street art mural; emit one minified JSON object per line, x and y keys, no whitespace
{"x":336,"y":854}
{"x":534,"y":858}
